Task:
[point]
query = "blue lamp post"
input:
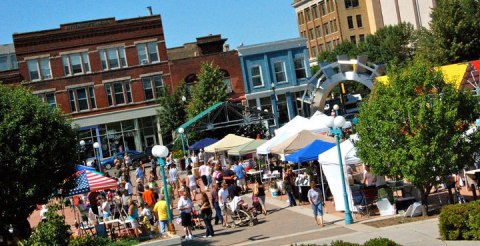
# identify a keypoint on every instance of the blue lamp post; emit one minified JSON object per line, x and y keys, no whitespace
{"x":182,"y":135}
{"x":160,"y":152}
{"x":96,"y":146}
{"x":335,"y":125}
{"x":336,"y":108}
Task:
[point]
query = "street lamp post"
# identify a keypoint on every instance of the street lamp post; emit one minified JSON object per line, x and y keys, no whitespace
{"x":160,"y":152}
{"x":335,"y":125}
{"x":274,"y":105}
{"x":336,"y":108}
{"x":96,"y":146}
{"x":81,"y":150}
{"x":182,"y":132}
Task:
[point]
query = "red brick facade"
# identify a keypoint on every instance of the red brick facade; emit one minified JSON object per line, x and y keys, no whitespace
{"x":185,"y":62}
{"x":90,"y":36}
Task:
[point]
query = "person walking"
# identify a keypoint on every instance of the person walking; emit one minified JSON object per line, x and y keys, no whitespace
{"x":216,"y":206}
{"x":203,"y":174}
{"x":185,"y":206}
{"x":173,"y":177}
{"x":287,"y":178}
{"x":315,"y":198}
{"x":192,"y":184}
{"x":139,"y":173}
{"x":206,"y":209}
{"x":222,"y":202}
{"x":127,"y":160}
{"x":240,"y":174}
{"x":259,"y":191}
{"x":161,"y":214}
{"x":140,"y":190}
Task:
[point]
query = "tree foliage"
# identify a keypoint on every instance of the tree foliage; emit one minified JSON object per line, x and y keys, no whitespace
{"x":53,"y":231}
{"x":172,"y":109}
{"x":37,"y":154}
{"x":454,"y":35}
{"x":414,"y":127}
{"x":208,"y":90}
{"x":389,"y":45}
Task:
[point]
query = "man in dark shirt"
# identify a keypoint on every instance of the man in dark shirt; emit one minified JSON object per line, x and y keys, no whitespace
{"x":228,"y":175}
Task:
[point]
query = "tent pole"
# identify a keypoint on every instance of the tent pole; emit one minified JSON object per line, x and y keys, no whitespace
{"x":323,"y":186}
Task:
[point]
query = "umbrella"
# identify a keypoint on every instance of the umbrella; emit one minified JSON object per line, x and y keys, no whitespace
{"x":87,"y":181}
{"x":82,"y":167}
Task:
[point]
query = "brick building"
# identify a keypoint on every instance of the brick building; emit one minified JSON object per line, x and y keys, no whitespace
{"x":185,"y":63}
{"x":104,"y":73}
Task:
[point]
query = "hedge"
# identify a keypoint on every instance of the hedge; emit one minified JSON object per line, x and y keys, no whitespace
{"x":380,"y":241}
{"x":460,"y":221}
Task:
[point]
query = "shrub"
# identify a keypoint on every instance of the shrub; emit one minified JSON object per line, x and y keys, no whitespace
{"x":460,"y":221}
{"x":343,"y":243}
{"x":88,"y":240}
{"x":51,"y":232}
{"x":380,"y":241}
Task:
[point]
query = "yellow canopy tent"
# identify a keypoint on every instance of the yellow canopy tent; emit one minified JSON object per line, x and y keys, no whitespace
{"x":228,"y":142}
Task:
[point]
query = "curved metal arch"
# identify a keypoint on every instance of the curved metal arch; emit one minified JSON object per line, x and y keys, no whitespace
{"x":332,"y":74}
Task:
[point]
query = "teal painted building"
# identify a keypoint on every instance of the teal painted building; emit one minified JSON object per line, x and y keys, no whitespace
{"x":275,"y":76}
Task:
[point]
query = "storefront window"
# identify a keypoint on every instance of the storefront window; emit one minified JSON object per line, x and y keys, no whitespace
{"x":282,"y":109}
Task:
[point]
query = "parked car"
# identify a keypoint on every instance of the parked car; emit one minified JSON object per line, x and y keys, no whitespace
{"x":136,"y":156}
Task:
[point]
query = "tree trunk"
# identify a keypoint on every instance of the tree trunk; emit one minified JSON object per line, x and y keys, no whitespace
{"x":424,"y":193}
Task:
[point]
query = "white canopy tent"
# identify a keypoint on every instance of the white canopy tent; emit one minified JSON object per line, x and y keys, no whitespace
{"x":330,"y":166}
{"x":292,"y":124}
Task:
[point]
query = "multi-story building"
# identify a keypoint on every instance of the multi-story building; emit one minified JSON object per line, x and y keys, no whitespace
{"x":392,"y":12}
{"x":185,"y":63}
{"x":8,"y":64}
{"x":275,"y":75}
{"x":105,"y":74}
{"x":326,"y":23}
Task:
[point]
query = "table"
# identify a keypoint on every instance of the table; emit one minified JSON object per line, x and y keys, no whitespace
{"x":114,"y":223}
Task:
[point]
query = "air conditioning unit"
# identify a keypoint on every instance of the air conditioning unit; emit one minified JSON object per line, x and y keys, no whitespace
{"x":48,"y":76}
{"x":144,"y":61}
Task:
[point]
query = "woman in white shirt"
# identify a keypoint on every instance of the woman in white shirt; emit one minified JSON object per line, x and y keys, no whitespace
{"x":368,"y":178}
{"x":185,"y":206}
{"x":192,"y":184}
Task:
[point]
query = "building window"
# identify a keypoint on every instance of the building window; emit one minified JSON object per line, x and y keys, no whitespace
{"x":335,"y":25}
{"x":350,"y":22}
{"x":113,"y":58}
{"x":321,"y":48}
{"x":147,"y":53}
{"x":256,"y":76}
{"x":351,"y":3}
{"x":39,"y":69}
{"x":314,"y":51}
{"x":301,"y":20}
{"x":307,"y":15}
{"x":303,"y":34}
{"x":81,"y":99}
{"x":359,"y":21}
{"x":310,"y":34}
{"x":325,"y":29}
{"x":77,"y":63}
{"x":8,"y":62}
{"x":329,"y":46}
{"x":315,"y":11}
{"x":353,"y":39}
{"x":48,"y":98}
{"x":252,"y":103}
{"x":118,"y":93}
{"x":300,"y":71}
{"x":323,"y":8}
{"x":361,"y":37}
{"x":331,"y":26}
{"x":279,"y":69}
{"x":152,"y":87}
{"x":318,"y":31}
{"x":227,"y":81}
{"x":332,"y":5}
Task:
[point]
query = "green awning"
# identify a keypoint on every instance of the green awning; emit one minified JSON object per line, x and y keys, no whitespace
{"x":250,"y":147}
{"x":199,"y":116}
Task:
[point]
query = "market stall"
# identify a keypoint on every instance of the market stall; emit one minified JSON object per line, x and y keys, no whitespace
{"x":200,"y":144}
{"x":247,"y":148}
{"x":298,"y":141}
{"x":228,"y":142}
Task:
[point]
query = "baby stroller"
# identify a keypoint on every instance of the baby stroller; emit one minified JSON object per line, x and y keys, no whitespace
{"x":256,"y":206}
{"x":240,"y":213}
{"x":196,"y":219}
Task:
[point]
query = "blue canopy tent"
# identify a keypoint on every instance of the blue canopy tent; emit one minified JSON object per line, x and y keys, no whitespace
{"x":200,"y":144}
{"x":310,"y":152}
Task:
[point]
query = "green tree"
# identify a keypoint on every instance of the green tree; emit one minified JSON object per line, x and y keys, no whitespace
{"x":37,"y":155}
{"x":53,"y":231}
{"x":390,"y":45}
{"x":454,"y":35}
{"x":208,"y":90}
{"x":172,"y":109}
{"x":414,"y":127}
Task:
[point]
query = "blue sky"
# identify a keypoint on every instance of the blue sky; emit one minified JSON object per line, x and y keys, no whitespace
{"x":241,"y":21}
